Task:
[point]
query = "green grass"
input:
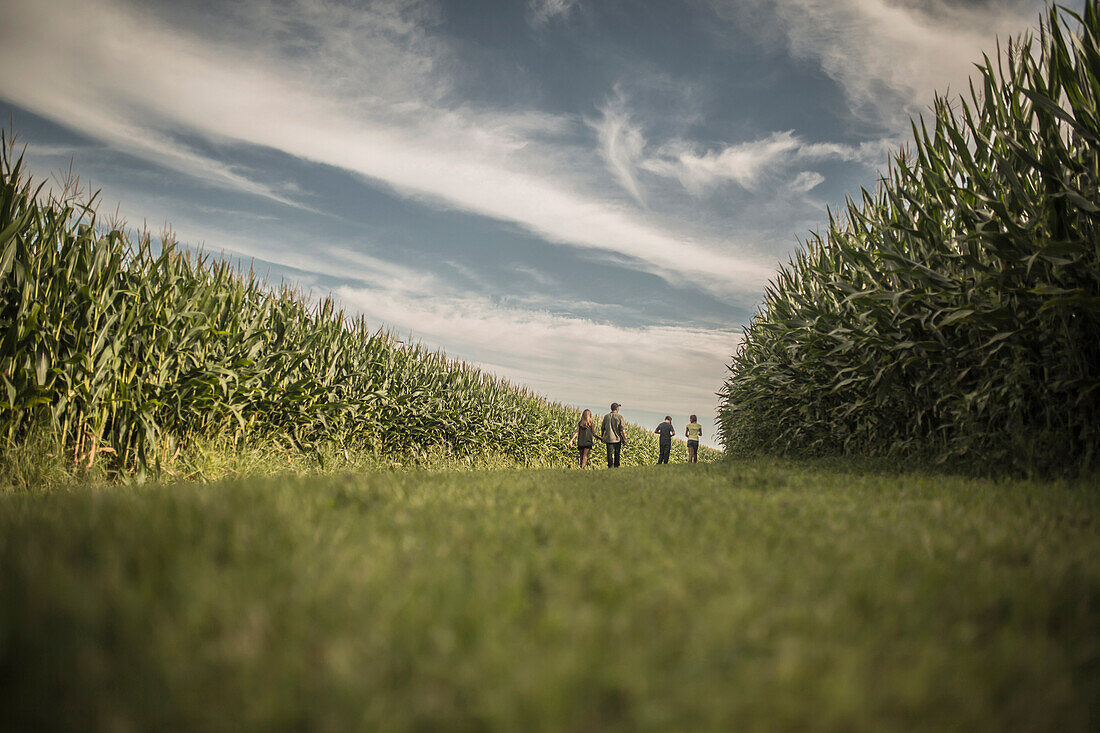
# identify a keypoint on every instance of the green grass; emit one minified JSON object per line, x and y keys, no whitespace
{"x":743,"y":596}
{"x":40,"y":463}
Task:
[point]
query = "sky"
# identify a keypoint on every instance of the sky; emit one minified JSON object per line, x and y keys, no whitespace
{"x":586,"y":197}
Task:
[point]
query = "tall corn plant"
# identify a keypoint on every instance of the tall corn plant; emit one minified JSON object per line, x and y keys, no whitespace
{"x":955,"y":312}
{"x":111,"y":344}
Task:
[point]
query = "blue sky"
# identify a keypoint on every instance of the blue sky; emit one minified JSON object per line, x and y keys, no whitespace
{"x":586,"y":197}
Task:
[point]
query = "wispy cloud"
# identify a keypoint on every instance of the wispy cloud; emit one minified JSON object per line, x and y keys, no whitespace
{"x":484,"y":161}
{"x":621,"y":143}
{"x":542,"y":11}
{"x":889,"y":57}
{"x":743,"y":163}
{"x":807,"y":181}
{"x":749,"y":164}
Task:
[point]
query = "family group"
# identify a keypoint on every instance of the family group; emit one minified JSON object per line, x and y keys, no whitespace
{"x":613,"y":434}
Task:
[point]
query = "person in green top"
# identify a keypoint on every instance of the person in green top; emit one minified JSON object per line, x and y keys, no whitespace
{"x":584,"y":435}
{"x":693,"y":431}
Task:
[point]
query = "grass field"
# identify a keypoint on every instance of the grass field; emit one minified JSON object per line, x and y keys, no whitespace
{"x":742,"y":596}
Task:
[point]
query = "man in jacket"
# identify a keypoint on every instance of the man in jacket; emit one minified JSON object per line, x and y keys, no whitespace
{"x":613,"y":433}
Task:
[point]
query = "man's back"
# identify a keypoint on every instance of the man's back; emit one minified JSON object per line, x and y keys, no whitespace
{"x":612,"y":428}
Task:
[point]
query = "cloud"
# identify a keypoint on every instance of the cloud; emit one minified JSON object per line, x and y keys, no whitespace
{"x":751,"y":163}
{"x":806,"y":181}
{"x":124,"y":77}
{"x":889,"y":57}
{"x":542,"y":11}
{"x":658,"y":368}
{"x":621,"y":143}
{"x":743,"y":163}
{"x":161,"y":149}
{"x":748,"y":164}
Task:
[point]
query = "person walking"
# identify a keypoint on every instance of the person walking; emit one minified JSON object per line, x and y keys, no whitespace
{"x":613,"y":433}
{"x":693,"y":431}
{"x":665,"y":431}
{"x":584,"y":435}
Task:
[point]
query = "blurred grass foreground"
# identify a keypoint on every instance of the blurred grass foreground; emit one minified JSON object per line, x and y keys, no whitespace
{"x":764,"y":596}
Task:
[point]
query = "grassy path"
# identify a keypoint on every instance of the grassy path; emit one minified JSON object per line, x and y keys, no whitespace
{"x":737,"y":596}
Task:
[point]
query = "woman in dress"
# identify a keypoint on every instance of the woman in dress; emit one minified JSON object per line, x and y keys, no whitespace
{"x":583,"y":436}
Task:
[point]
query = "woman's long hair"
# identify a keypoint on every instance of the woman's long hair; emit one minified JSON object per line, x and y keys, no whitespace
{"x":586,"y":420}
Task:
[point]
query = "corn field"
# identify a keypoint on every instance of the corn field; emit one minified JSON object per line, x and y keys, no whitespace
{"x":954,"y":313}
{"x":126,"y":349}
